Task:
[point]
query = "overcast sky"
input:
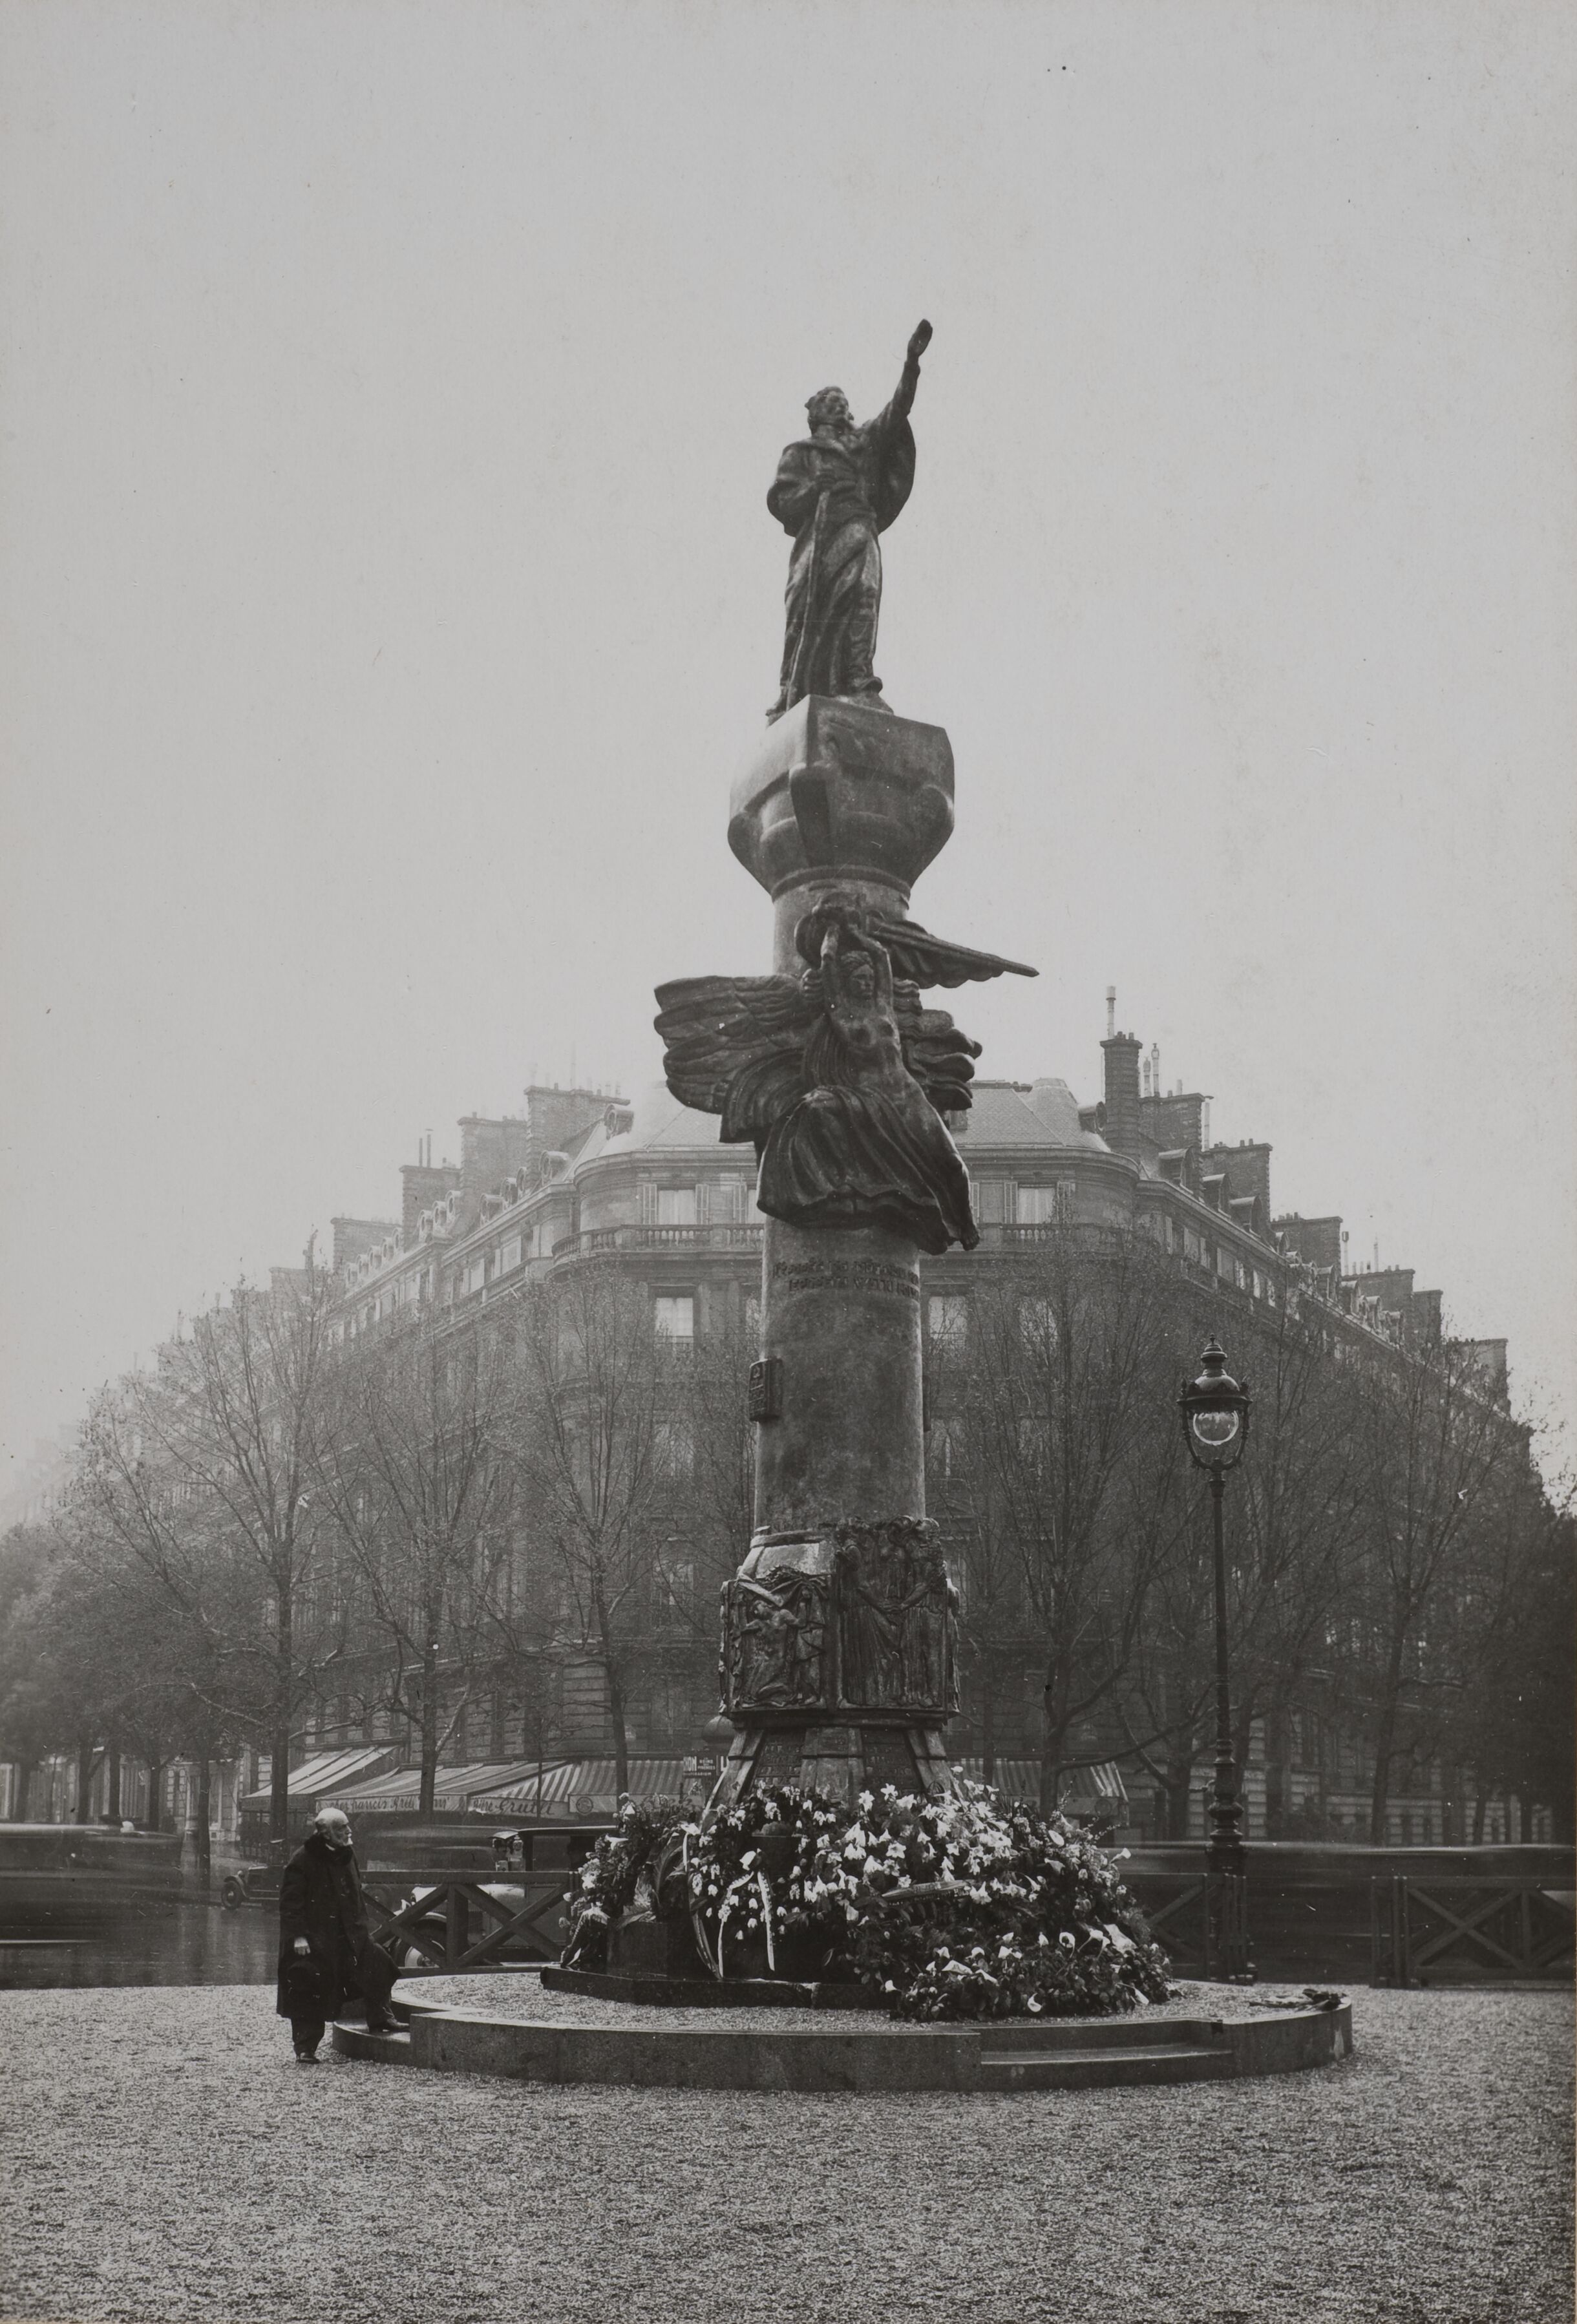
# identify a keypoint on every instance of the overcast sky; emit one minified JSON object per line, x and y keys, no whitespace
{"x":387,"y":595}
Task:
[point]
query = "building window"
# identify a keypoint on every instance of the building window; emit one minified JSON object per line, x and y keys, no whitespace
{"x":679,"y":1575}
{"x":728,"y":1202}
{"x":674,"y":1448}
{"x":1040,"y":1206}
{"x":509,"y":1254}
{"x":676,"y":1206}
{"x":674,"y":1318}
{"x":947,"y":1319}
{"x":1038,"y":1326}
{"x":476,"y":1274}
{"x":993,"y":1202}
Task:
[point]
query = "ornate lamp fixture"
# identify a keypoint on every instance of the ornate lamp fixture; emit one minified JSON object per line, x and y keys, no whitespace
{"x":1214,"y":1410}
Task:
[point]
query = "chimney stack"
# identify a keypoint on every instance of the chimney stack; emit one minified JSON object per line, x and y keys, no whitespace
{"x":1111,"y":1011}
{"x":1124,"y":1122}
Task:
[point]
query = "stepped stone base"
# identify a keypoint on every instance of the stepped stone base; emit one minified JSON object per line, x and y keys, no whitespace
{"x":1065,"y":2053}
{"x":665,"y":1992}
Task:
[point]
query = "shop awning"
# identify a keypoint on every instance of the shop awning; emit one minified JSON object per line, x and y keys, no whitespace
{"x":454,"y":1792}
{"x":586,"y":1787}
{"x":329,"y":1771}
{"x":1082,"y":1787}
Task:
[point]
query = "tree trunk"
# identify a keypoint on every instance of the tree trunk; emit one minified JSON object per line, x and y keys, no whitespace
{"x":86,"y":1768}
{"x":278,"y":1772}
{"x":113,"y":1807}
{"x":620,"y":1734}
{"x":155,"y":1789}
{"x":1054,"y":1736}
{"x":1178,"y":1786}
{"x":615,"y":1681}
{"x":1479,"y":1804}
{"x":19,"y":1798}
{"x":430,"y":1727}
{"x":988,"y":1716}
{"x":205,"y":1808}
{"x":1385,"y":1742}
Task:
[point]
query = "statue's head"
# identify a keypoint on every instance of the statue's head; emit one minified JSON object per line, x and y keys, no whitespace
{"x":859,"y":977}
{"x":829,"y":408}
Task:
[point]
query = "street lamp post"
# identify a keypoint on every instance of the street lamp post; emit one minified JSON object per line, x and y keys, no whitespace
{"x":1215,"y":1428}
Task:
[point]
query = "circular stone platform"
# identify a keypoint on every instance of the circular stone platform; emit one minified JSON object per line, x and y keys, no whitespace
{"x":507,"y":2023}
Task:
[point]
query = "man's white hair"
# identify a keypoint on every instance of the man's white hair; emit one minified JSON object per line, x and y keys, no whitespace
{"x":325,"y":1817}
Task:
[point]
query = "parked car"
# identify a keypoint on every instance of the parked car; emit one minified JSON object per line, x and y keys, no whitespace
{"x":255,"y":1884}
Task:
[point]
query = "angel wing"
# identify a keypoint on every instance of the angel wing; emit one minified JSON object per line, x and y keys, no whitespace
{"x":940,"y":1058}
{"x":736,"y":1047}
{"x":915,"y":952}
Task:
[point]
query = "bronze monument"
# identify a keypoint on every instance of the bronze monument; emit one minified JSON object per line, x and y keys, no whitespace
{"x":835,"y":491}
{"x":838,"y":1631}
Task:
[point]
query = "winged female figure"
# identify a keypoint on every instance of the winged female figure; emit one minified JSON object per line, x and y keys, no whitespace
{"x":839,"y":1078}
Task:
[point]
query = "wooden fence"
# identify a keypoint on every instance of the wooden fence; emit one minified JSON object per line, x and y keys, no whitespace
{"x":456,"y":1924}
{"x":1450,"y":1932}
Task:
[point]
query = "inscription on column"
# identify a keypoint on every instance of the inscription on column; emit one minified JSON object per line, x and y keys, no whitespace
{"x":846,"y":1274}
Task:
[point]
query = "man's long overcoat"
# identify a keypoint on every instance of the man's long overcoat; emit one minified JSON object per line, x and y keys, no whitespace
{"x":321,"y":1899}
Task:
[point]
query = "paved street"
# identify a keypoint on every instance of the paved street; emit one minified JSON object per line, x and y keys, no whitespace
{"x":162,"y":2158}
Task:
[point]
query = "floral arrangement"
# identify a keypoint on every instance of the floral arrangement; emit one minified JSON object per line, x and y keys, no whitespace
{"x":608,"y":1881}
{"x":963,"y":1904}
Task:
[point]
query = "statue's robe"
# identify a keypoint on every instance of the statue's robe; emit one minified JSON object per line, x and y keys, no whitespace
{"x":866,"y":1146}
{"x":835,"y":494}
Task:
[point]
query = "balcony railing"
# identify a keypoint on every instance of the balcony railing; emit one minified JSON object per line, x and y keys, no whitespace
{"x":596,"y":1242}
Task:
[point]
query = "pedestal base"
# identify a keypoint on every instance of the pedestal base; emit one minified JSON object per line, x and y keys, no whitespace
{"x":842,"y":1760}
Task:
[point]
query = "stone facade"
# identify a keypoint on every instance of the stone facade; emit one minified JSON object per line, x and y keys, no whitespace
{"x":646,"y":1182}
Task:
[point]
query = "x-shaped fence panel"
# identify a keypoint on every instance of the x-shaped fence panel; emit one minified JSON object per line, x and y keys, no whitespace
{"x":1506,"y":1928}
{"x":456,"y":1900}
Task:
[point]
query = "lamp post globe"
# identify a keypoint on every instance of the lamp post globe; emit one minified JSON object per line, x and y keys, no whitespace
{"x":1215,"y":1414}
{"x":1214,"y":1411}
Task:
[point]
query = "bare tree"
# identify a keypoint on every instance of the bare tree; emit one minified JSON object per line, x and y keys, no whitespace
{"x":29,"y":1723}
{"x":1058,"y":1387}
{"x":1432,"y":1446}
{"x":704,"y":1504}
{"x":593,"y":1372}
{"x":202,"y":1474}
{"x":414,"y":1461}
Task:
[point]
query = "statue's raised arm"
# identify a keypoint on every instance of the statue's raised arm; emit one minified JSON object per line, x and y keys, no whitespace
{"x":903,"y":402}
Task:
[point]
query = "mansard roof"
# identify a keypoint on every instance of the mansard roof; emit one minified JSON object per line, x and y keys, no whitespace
{"x":658,"y":1124}
{"x":1034,"y":1116}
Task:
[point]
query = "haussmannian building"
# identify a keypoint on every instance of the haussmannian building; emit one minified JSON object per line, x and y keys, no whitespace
{"x":583,"y":1174}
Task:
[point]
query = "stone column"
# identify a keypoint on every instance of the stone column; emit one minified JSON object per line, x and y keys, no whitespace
{"x":838,"y":1646}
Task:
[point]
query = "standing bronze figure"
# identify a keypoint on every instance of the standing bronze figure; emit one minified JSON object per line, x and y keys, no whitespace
{"x":835,"y":491}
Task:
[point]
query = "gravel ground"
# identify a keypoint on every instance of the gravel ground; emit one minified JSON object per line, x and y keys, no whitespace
{"x":162,"y":2160}
{"x":519,"y":1993}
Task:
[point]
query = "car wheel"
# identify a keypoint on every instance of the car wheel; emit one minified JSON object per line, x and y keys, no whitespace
{"x":232,"y":1895}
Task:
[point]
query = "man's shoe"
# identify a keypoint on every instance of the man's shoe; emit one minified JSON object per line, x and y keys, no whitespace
{"x":308,"y":2058}
{"x":384,"y":2025}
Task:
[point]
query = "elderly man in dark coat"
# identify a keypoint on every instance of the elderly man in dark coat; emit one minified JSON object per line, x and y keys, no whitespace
{"x":327,"y":1954}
